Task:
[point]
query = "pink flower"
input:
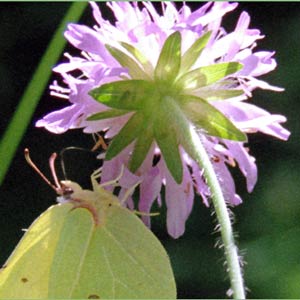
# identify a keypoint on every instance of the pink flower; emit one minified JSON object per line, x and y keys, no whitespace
{"x":131,"y":51}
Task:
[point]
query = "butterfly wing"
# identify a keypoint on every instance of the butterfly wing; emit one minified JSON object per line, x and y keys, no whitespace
{"x":65,"y":254}
{"x":119,"y":259}
{"x":26,"y":272}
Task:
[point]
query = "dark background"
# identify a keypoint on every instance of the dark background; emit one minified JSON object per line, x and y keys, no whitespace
{"x":267,"y":223}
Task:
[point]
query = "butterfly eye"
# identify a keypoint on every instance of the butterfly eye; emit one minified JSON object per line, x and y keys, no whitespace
{"x":67,"y":192}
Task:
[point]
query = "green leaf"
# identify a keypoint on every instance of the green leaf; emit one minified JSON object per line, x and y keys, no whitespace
{"x":134,"y":70}
{"x":168,"y":64}
{"x":168,"y":139}
{"x":215,"y":95}
{"x":129,"y":132}
{"x":139,"y":57}
{"x":107,"y":114}
{"x":211,"y":120}
{"x":169,"y":147}
{"x":123,"y":94}
{"x":141,"y":148}
{"x":88,"y":248}
{"x":216,"y":72}
{"x":207,"y":75}
{"x":192,"y":54}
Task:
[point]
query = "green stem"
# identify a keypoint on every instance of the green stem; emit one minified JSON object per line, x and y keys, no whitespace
{"x":231,"y":250}
{"x":18,"y":124}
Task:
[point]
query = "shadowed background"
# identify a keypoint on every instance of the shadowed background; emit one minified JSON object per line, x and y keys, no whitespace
{"x":268,"y":222}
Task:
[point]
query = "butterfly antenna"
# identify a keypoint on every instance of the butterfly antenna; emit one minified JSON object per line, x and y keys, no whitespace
{"x":33,"y":165}
{"x":52,"y":168}
{"x":61,"y":154}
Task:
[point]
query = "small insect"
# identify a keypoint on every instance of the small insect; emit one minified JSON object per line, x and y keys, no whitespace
{"x":99,"y":143}
{"x":87,"y":244}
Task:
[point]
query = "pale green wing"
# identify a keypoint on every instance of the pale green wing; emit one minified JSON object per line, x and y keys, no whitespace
{"x":64,"y":255}
{"x":26,"y":272}
{"x":121,"y":259}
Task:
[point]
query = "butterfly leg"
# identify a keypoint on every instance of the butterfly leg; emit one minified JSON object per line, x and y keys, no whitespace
{"x":115,"y":181}
{"x":129,"y":192}
{"x":95,"y":175}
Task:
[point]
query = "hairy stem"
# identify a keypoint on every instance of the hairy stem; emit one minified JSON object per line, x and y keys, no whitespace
{"x":231,"y":250}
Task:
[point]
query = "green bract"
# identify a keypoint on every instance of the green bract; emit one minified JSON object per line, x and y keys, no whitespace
{"x":162,"y":102}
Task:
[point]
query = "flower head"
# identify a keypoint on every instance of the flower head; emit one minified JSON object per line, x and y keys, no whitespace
{"x":153,"y":77}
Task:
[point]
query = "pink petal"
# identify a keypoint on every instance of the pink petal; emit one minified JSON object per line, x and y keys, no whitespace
{"x":179,"y":200}
{"x":61,"y":120}
{"x":86,"y":39}
{"x":149,"y":191}
{"x":246,"y":162}
{"x":227,"y":183}
{"x":251,"y":118}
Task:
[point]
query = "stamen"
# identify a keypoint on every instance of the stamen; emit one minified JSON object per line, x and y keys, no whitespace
{"x":55,"y":94}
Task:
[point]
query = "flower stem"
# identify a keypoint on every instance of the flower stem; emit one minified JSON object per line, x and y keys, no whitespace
{"x":231,"y":251}
{"x":25,"y":109}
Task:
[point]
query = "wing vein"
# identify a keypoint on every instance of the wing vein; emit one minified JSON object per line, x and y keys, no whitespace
{"x":80,"y":265}
{"x":129,"y":255}
{"x":110,"y":270}
{"x":115,"y":279}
